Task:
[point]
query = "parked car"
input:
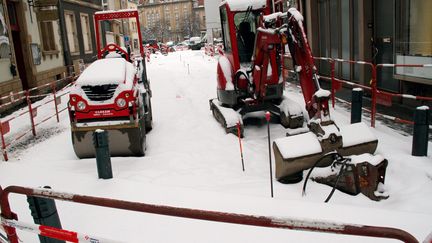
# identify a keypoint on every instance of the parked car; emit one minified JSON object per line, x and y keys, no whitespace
{"x":181,"y":46}
{"x":196,"y":43}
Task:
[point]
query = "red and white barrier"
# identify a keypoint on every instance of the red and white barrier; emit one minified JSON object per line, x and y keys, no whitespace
{"x":147,"y":53}
{"x":55,"y":233}
{"x":32,"y":110}
{"x":378,"y":96}
{"x":312,"y":225}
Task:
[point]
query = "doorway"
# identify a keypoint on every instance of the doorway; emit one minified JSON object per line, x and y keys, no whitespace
{"x":18,"y":43}
{"x":384,"y":12}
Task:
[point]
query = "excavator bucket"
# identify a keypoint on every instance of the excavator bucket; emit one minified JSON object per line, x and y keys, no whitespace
{"x":366,"y":177}
{"x":293,"y":154}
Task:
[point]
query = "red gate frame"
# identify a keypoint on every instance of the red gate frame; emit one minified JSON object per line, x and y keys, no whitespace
{"x":242,"y":219}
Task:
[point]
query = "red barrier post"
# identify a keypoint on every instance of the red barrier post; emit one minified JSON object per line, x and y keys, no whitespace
{"x":31,"y":112}
{"x":53,"y":87}
{"x":7,"y":213}
{"x":333,"y":84}
{"x":4,"y":152}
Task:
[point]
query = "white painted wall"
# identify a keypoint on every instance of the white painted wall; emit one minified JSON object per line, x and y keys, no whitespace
{"x":5,"y":62}
{"x":4,"y":70}
{"x":211,"y":8}
{"x":33,"y":31}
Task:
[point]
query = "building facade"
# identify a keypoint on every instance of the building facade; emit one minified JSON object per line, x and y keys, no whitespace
{"x":114,"y":30}
{"x":31,"y":51}
{"x":76,"y":18}
{"x":385,"y":31}
{"x":213,"y":23}
{"x":171,"y":20}
{"x":199,"y":11}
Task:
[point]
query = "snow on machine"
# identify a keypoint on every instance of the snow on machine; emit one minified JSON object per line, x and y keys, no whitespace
{"x":112,"y":94}
{"x":249,"y":79}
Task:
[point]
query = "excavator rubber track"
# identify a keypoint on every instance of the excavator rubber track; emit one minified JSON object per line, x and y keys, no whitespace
{"x":289,"y":112}
{"x":227,"y":117}
{"x":123,"y":140}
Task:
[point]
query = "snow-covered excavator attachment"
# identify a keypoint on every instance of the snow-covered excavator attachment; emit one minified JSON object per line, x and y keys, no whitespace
{"x":293,"y":154}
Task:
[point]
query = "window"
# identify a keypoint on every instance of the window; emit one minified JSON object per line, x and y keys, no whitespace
{"x":85,"y":26}
{"x":71,"y":32}
{"x":414,"y":35}
{"x":4,"y":40}
{"x":338,"y":36}
{"x":47,"y":32}
{"x":413,"y":42}
{"x":245,"y":23}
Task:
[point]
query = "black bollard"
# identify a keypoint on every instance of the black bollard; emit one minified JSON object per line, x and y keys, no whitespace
{"x":356,"y":105}
{"x":421,"y":131}
{"x":44,"y":212}
{"x":103,"y":159}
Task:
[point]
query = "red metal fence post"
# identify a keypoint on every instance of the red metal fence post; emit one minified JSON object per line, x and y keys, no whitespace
{"x":4,"y":152}
{"x":53,"y":87}
{"x":31,"y":113}
{"x":8,"y":214}
{"x":333,"y":88}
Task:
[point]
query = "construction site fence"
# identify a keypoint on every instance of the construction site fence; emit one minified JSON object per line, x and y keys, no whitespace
{"x":377,"y":96}
{"x":33,"y":99}
{"x":213,"y":49}
{"x":10,"y":222}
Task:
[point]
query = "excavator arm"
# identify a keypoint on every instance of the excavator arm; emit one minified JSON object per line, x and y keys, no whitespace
{"x":274,"y":32}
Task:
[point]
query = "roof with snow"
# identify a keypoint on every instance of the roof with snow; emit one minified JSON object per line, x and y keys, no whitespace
{"x":107,"y":71}
{"x":242,"y":5}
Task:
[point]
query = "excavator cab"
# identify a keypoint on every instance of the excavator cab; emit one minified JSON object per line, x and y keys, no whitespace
{"x":245,"y":23}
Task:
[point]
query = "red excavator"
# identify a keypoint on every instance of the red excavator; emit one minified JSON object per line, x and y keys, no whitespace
{"x":112,"y":94}
{"x":256,"y":35}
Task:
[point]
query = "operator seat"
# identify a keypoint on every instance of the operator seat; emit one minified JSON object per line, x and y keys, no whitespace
{"x":245,"y":41}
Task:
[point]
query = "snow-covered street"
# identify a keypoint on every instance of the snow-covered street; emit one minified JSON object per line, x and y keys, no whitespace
{"x":191,"y":162}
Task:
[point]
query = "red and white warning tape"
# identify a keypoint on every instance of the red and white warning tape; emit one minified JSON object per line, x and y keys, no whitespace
{"x":55,"y":233}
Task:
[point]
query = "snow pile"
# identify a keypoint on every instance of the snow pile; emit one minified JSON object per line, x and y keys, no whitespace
{"x":225,"y":66}
{"x":289,"y":107}
{"x":322,"y":93}
{"x":298,"y":146}
{"x":231,"y":116}
{"x":115,"y":71}
{"x":113,"y":55}
{"x":372,"y":159}
{"x":106,"y":71}
{"x":272,"y":17}
{"x":328,"y":130}
{"x":297,"y":15}
{"x":356,"y":133}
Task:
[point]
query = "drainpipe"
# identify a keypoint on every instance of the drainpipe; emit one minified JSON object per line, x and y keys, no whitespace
{"x":66,"y":52}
